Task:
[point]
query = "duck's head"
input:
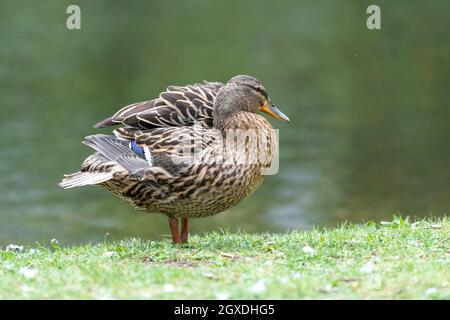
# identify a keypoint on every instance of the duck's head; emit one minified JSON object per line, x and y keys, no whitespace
{"x":244,"y":93}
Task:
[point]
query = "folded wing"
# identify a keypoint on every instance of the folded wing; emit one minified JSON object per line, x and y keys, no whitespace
{"x":175,"y":107}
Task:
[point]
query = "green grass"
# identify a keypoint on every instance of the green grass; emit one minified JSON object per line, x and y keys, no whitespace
{"x":395,"y":260}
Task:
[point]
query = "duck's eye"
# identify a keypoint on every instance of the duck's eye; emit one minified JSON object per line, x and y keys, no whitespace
{"x":263,"y":93}
{"x":260,"y":91}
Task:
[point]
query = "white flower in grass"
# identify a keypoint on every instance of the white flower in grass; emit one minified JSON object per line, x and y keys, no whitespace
{"x":308,"y":250}
{"x":8,"y":265}
{"x":26,"y":288}
{"x":109,"y":254}
{"x":367,"y":268}
{"x":431,"y":291}
{"x":146,"y":294}
{"x":222,"y":296}
{"x":14,"y":247}
{"x":28,"y":273}
{"x":168,"y":288}
{"x":259,"y":287}
{"x":54,"y":244}
{"x":107,"y":296}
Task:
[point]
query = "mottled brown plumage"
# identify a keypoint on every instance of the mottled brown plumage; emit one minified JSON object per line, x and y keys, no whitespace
{"x":193,"y":152}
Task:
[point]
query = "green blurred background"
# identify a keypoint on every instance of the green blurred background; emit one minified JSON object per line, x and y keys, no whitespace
{"x":370,"y":114}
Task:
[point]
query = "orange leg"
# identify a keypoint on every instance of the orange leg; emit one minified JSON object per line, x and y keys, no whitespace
{"x":173,"y":223}
{"x":184,"y":230}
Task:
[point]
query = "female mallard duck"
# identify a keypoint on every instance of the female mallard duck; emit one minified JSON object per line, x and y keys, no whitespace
{"x":189,"y":153}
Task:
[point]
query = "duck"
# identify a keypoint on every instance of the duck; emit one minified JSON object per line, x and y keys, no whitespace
{"x":195,"y":151}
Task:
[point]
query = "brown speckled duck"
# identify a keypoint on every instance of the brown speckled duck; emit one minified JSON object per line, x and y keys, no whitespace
{"x":189,"y":153}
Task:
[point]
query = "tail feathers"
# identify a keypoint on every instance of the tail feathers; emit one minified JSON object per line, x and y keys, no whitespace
{"x":79,"y":179}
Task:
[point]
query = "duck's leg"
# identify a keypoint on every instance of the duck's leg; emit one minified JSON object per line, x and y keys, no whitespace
{"x":184,"y":230}
{"x":173,"y":223}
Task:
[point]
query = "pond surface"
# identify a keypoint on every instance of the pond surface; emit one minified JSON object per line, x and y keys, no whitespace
{"x":370,"y":112}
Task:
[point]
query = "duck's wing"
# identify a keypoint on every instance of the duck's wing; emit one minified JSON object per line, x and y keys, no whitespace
{"x":155,"y":156}
{"x":172,"y":148}
{"x":155,"y":136}
{"x":176,"y":107}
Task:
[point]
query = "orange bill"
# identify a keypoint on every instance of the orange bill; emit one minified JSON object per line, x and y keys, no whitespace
{"x":274,"y":112}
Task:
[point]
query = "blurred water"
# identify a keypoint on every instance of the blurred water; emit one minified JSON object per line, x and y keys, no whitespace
{"x":369,"y":133}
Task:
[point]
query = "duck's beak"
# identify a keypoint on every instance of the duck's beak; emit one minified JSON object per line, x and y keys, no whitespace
{"x":274,"y":112}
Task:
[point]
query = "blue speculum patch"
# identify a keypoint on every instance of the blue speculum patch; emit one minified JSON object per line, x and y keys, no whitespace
{"x":137,"y":149}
